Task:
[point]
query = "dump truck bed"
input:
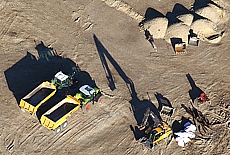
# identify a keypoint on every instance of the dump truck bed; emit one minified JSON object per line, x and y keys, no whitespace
{"x":58,"y":114}
{"x":37,"y":97}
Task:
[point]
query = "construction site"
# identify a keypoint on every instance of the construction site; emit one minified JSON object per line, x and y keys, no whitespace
{"x":132,"y":77}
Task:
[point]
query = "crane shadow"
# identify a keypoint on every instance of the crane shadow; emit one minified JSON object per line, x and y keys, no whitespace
{"x":138,"y":106}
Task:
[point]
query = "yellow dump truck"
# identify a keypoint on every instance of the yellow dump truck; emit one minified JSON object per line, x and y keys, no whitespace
{"x":32,"y":101}
{"x":56,"y":118}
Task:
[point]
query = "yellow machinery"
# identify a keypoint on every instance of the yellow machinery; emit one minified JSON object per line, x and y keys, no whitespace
{"x":156,"y":132}
{"x":32,"y":101}
{"x":56,"y":118}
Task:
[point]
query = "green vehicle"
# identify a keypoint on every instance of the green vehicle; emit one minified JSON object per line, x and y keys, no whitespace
{"x":63,"y":82}
{"x":87,"y":96}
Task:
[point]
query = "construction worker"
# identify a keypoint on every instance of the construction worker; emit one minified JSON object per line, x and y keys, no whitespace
{"x":203,"y":97}
{"x":149,"y":37}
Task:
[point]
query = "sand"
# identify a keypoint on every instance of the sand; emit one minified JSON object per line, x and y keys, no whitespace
{"x":104,"y":39}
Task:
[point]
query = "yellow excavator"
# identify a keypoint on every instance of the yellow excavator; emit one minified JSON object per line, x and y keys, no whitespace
{"x":155,"y":133}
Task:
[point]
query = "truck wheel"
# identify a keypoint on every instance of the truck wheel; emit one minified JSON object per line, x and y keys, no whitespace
{"x":57,"y":130}
{"x":86,"y":107}
{"x":64,"y":124}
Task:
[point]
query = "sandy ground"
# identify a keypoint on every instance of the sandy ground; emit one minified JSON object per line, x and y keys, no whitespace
{"x":106,"y":44}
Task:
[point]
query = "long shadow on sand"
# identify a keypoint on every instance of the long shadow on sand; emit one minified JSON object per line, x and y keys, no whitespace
{"x":198,"y":4}
{"x":138,"y":106}
{"x":195,"y":91}
{"x":162,"y":101}
{"x":30,"y":71}
{"x":150,"y":14}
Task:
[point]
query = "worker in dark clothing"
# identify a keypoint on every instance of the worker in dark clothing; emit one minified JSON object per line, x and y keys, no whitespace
{"x":149,"y":37}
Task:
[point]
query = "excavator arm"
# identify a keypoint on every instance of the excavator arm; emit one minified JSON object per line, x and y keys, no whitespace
{"x":155,"y":119}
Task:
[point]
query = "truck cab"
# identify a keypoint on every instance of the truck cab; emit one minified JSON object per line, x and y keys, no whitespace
{"x":87,"y":95}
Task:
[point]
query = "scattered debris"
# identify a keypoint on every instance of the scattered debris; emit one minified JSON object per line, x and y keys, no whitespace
{"x":199,"y":119}
{"x":184,"y":135}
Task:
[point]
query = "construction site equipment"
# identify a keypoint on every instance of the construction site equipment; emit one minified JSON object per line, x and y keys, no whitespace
{"x":201,"y":99}
{"x":62,"y":80}
{"x":56,"y":118}
{"x":87,"y":95}
{"x":46,"y":90}
{"x":193,"y":41}
{"x":180,"y":48}
{"x":167,"y":109}
{"x":154,"y":133}
{"x":37,"y":97}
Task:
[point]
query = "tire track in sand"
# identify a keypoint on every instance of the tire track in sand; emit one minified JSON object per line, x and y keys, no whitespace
{"x":7,"y":24}
{"x":72,"y":134}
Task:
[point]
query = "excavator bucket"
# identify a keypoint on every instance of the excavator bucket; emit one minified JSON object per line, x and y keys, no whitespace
{"x":167,"y":109}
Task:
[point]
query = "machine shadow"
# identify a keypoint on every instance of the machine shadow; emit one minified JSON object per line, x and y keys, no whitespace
{"x":162,"y":101}
{"x":179,"y":124}
{"x":138,"y":106}
{"x":195,"y":91}
{"x":102,"y":52}
{"x":151,"y":14}
{"x":198,"y":4}
{"x":175,"y":41}
{"x":29,"y":72}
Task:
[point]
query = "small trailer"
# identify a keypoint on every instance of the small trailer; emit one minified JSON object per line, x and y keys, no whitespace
{"x":55,"y":119}
{"x":180,"y":48}
{"x":32,"y":101}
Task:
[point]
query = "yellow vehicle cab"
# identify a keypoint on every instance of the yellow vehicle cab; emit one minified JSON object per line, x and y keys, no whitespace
{"x":156,"y":134}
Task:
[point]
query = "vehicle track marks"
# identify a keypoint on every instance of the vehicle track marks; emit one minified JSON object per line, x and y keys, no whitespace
{"x":2,"y":5}
{"x":70,"y":136}
{"x":8,"y":24}
{"x":30,"y":134}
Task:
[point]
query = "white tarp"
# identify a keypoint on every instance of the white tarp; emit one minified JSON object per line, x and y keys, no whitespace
{"x":183,"y":136}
